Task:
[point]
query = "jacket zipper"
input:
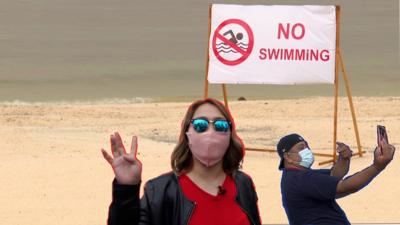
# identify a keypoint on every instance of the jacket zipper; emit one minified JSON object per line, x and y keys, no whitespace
{"x":191,"y":213}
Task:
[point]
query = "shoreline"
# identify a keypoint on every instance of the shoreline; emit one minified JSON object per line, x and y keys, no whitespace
{"x":145,"y":100}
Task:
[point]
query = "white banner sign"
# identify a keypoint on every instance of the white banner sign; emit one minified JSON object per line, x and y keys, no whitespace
{"x":272,"y":44}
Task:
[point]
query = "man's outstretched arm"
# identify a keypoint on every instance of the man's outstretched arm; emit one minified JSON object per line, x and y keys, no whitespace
{"x":382,"y":157}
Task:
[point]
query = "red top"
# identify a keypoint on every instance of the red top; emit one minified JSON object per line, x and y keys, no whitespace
{"x":214,"y":210}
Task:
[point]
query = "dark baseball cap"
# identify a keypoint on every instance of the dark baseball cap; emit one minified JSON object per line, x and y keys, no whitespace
{"x":286,"y":143}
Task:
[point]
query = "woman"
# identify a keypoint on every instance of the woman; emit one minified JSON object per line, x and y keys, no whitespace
{"x":205,"y":185}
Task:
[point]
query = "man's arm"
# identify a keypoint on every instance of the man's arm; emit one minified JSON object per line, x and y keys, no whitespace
{"x":342,"y":165}
{"x":357,"y":181}
{"x":341,"y":168}
{"x":361,"y":179}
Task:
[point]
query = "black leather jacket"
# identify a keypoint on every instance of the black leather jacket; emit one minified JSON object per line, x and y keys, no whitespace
{"x":163,"y":202}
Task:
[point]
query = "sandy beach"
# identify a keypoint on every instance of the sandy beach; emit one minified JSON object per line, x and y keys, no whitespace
{"x":52,"y":170}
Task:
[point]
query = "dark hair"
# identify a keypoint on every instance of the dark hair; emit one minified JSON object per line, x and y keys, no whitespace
{"x":182,"y":159}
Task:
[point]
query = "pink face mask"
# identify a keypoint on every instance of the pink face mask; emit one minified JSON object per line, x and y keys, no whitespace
{"x":208,"y":147}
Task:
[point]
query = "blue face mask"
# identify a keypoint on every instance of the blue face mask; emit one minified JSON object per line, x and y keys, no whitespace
{"x":307,"y":158}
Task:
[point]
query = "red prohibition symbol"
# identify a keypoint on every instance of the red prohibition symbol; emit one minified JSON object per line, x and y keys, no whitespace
{"x":233,"y":43}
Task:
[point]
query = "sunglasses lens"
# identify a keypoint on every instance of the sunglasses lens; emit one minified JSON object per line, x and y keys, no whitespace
{"x":200,"y":125}
{"x":221,"y":125}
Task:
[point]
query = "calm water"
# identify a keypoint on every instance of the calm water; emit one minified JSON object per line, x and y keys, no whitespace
{"x":124,"y":49}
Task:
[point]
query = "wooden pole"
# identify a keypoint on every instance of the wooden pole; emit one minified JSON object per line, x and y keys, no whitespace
{"x":349,"y":96}
{"x":331,"y":160}
{"x":225,"y":95}
{"x":274,"y":150}
{"x":260,"y":150}
{"x":335,"y":117}
{"x":335,"y":112}
{"x":208,"y":52}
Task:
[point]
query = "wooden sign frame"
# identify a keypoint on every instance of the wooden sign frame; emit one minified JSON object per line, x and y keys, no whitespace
{"x":338,"y":64}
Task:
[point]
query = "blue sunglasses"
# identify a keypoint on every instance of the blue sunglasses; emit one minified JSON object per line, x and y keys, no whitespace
{"x":200,"y":125}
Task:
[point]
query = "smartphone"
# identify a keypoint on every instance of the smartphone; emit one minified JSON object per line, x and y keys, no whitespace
{"x":381,"y":134}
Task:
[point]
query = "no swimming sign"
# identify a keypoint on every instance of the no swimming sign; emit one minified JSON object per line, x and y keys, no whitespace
{"x":272,"y":44}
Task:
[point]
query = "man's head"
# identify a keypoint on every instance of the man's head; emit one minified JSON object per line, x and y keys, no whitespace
{"x":288,"y":149}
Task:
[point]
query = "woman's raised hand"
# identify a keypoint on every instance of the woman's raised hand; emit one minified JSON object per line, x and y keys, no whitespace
{"x":127,"y":168}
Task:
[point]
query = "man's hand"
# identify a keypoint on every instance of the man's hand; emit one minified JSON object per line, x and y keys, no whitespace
{"x":344,"y":151}
{"x":383,"y":154}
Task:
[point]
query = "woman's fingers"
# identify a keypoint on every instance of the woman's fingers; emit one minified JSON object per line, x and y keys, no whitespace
{"x":134,"y":149}
{"x":130,"y":158}
{"x":106,"y":156}
{"x":134,"y":146}
{"x":118,"y":149}
{"x":119,"y":144}
{"x":114,"y":147}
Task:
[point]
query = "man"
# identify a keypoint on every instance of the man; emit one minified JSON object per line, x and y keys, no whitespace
{"x":309,"y":195}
